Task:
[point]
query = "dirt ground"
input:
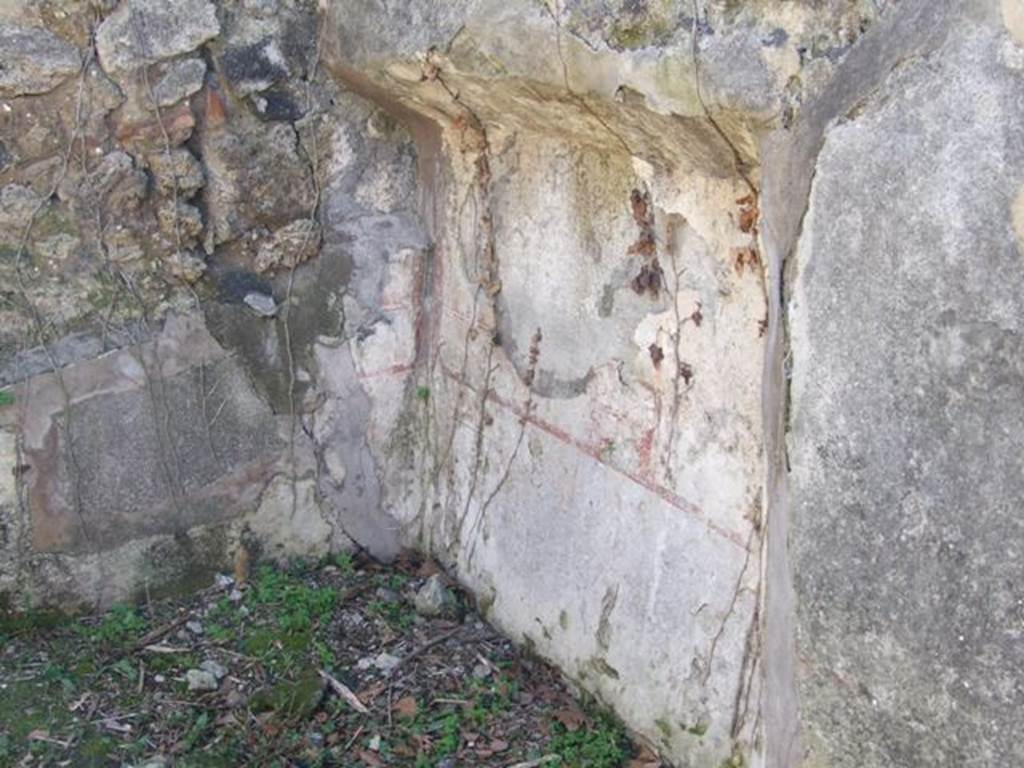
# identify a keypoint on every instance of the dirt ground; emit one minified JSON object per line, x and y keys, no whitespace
{"x":344,"y":663}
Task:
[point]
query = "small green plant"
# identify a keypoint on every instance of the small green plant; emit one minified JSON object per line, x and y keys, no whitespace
{"x":325,"y":654}
{"x":119,"y":626}
{"x":196,"y":731}
{"x":395,"y":613}
{"x":490,"y":699}
{"x":218,"y":634}
{"x":299,"y":604}
{"x":603,"y":745}
{"x":393,"y":581}
{"x":124,"y":668}
{"x":6,"y":398}
{"x":343,"y":562}
{"x":450,"y":735}
{"x":423,"y":393}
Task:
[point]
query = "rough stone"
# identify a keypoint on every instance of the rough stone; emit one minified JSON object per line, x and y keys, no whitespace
{"x":200,"y":680}
{"x":289,"y":246}
{"x":18,"y":204}
{"x":35,"y":60}
{"x":178,"y":167}
{"x":219,"y":671}
{"x":181,"y":223}
{"x":385,"y":662}
{"x":255,"y":178}
{"x":114,"y":183}
{"x":182,"y":79}
{"x":223,"y":581}
{"x":434,"y":598}
{"x":141,"y":32}
{"x":185,"y":266}
{"x":261,"y":303}
{"x":254,"y":67}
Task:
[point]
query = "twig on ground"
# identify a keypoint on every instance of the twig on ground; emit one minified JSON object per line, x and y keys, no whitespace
{"x":160,"y":648}
{"x":345,"y":692}
{"x":151,"y":637}
{"x":350,"y":742}
{"x":537,"y":762}
{"x":421,"y":649}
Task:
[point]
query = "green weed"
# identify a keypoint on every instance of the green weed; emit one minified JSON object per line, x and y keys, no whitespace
{"x":299,"y":604}
{"x":604,"y":745}
{"x":120,"y":626}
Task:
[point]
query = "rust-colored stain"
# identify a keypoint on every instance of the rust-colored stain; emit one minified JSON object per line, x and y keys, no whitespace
{"x":746,"y":258}
{"x":54,"y":526}
{"x":657,"y":355}
{"x":697,"y":317}
{"x":177,"y":121}
{"x":214,"y":109}
{"x":649,"y":280}
{"x":749,"y":213}
{"x":686,"y":373}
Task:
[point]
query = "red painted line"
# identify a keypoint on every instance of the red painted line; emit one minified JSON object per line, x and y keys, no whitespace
{"x":428,"y":329}
{"x":394,"y":370}
{"x":595,"y":453}
{"x":399,"y":306}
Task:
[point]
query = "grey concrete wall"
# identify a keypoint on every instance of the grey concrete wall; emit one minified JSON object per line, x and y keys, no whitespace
{"x":905,"y":412}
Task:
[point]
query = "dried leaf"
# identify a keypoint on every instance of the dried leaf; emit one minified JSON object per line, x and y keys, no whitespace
{"x":369,"y":758}
{"x":406,"y":707}
{"x":686,"y":373}
{"x":647,"y":754}
{"x":571,"y":717}
{"x":404,"y":750}
{"x":640,"y":203}
{"x":746,"y":257}
{"x":644,"y":246}
{"x":657,"y":355}
{"x":649,"y":280}
{"x":241,"y":565}
{"x":748,"y":218}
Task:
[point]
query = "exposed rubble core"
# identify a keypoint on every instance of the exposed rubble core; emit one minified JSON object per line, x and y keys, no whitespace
{"x":684,"y":333}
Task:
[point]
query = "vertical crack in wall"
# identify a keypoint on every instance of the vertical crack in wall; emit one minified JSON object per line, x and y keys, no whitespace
{"x":313,"y":158}
{"x":753,"y":646}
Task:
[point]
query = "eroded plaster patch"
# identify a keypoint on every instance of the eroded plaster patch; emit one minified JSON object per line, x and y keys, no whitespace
{"x":1013,"y":18}
{"x":1017,"y":216}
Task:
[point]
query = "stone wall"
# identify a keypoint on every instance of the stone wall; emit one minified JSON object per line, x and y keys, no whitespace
{"x":683,"y":333}
{"x":207,"y":245}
